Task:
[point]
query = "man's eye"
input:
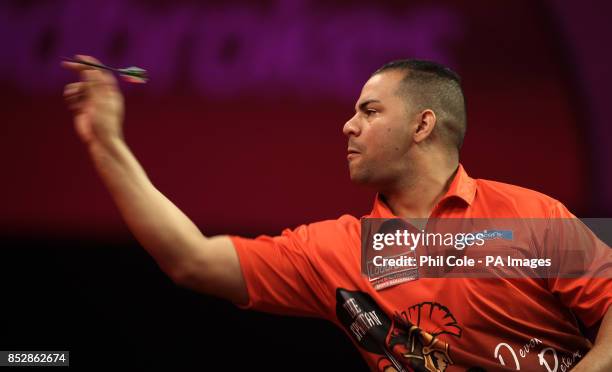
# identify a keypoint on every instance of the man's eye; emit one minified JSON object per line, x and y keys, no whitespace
{"x":370,"y":112}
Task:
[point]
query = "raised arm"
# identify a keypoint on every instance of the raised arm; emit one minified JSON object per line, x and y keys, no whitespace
{"x":208,"y":265}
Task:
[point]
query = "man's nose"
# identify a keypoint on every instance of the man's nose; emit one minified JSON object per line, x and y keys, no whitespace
{"x":351,"y":127}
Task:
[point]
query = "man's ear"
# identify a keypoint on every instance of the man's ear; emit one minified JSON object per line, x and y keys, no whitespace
{"x":426,"y":121}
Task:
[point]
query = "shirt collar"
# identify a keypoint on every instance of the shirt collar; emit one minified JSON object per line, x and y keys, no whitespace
{"x":462,"y":187}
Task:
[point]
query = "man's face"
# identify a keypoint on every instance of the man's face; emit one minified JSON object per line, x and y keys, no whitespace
{"x":379,"y":134}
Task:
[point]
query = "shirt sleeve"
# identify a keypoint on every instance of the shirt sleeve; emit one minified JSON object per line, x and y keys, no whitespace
{"x":580,"y":253}
{"x":281,"y":273}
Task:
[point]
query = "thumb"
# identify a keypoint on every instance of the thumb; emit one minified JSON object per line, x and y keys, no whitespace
{"x":82,"y":124}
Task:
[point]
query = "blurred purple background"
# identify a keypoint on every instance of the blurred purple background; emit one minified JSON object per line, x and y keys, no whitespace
{"x":241,"y":122}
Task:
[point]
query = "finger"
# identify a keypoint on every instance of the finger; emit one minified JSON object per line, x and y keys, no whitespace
{"x":83,"y":69}
{"x":74,"y":88}
{"x":75,"y":95}
{"x":82,"y":57}
{"x":76,"y":103}
{"x":99,"y":82}
{"x":74,"y":64}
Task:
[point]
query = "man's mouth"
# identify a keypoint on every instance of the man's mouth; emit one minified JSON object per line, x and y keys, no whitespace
{"x":352,"y":153}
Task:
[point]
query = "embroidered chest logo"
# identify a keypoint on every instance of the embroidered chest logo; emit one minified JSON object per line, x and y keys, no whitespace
{"x":409,"y":341}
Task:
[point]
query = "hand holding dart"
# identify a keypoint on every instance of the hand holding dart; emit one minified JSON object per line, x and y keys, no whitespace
{"x":96,"y":100}
{"x":131,"y":74}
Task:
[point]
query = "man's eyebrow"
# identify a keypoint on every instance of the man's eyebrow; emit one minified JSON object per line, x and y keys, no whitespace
{"x":363,"y":104}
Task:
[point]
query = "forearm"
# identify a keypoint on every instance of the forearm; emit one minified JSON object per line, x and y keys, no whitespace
{"x":209,"y":265}
{"x":160,"y":227}
{"x":599,"y":358}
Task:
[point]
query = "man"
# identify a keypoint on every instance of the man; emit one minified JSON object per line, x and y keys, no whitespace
{"x":404,"y":141}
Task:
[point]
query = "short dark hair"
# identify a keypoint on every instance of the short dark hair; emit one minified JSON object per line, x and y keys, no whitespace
{"x":431,"y":85}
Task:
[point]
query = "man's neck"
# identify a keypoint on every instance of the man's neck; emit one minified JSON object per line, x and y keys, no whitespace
{"x":417,"y":197}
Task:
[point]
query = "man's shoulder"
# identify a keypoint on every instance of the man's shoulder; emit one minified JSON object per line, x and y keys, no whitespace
{"x":343,"y":230}
{"x":511,"y":190}
{"x":327,"y":237}
{"x":514,"y":200}
{"x":345,"y":223}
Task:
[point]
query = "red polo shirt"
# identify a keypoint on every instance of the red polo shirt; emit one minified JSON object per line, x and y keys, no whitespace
{"x":430,"y":324}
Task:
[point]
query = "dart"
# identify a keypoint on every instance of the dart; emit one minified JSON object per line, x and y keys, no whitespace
{"x":131,"y":74}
